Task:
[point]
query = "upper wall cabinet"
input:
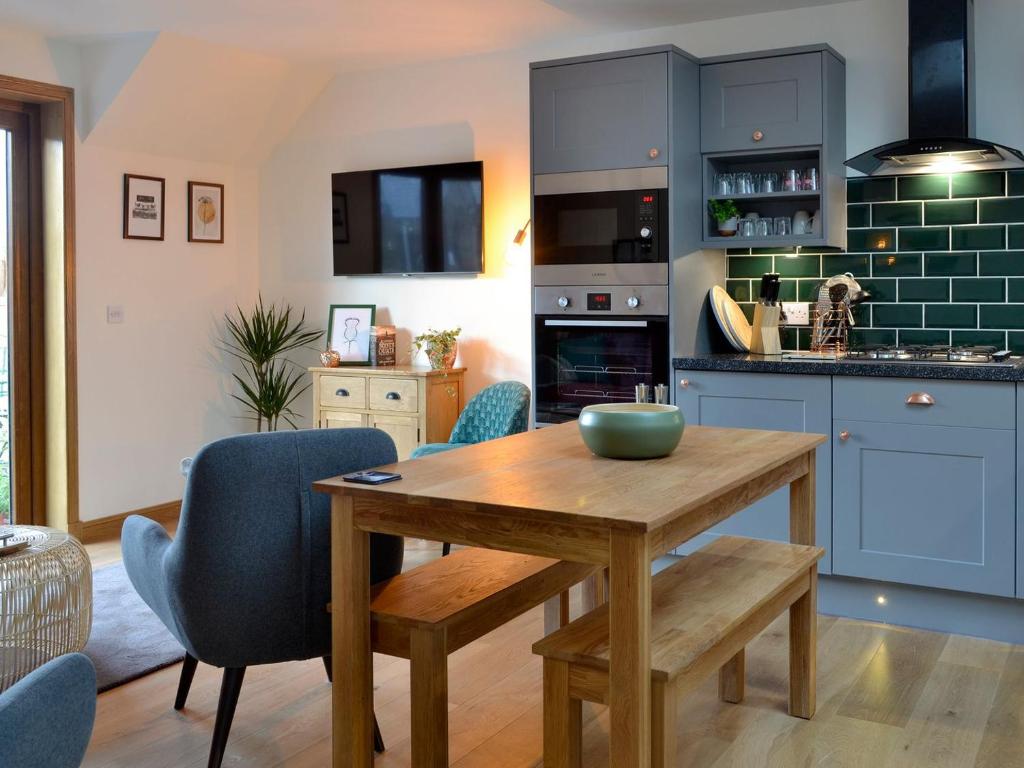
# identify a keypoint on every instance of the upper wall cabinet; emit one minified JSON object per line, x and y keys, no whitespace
{"x":764,"y":116}
{"x":600,"y":114}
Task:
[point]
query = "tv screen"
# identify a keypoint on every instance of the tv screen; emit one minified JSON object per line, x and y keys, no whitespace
{"x":421,"y":220}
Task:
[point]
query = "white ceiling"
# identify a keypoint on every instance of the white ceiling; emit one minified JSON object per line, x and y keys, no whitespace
{"x":362,"y":33}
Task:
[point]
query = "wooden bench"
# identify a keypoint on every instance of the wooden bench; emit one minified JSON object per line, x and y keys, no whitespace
{"x":704,"y":611}
{"x":431,"y":611}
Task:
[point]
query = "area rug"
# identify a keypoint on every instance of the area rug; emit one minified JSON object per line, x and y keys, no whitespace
{"x":127,"y":640}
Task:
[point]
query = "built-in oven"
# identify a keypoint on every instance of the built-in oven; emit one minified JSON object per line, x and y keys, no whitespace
{"x":601,"y":228}
{"x":595,"y":344}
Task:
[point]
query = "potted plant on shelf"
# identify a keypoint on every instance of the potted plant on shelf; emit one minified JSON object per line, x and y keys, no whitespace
{"x":726,"y":214}
{"x":441,"y":347}
{"x":270,"y":382}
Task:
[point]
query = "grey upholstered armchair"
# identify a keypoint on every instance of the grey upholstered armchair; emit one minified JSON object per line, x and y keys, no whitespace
{"x":246,"y":580}
{"x":46,"y":718}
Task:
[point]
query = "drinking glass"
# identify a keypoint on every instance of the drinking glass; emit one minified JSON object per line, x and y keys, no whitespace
{"x":792,"y":180}
{"x":745,"y":227}
{"x":725,"y":184}
{"x":767,"y":183}
{"x":764,"y":227}
{"x":744,"y":184}
{"x":810,"y":179}
{"x":783,"y":226}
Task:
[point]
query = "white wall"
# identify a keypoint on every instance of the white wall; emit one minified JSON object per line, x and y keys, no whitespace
{"x":152,"y":389}
{"x":478,"y":107}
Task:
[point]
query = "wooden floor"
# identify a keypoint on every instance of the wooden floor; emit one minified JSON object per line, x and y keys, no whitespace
{"x":886,"y":697}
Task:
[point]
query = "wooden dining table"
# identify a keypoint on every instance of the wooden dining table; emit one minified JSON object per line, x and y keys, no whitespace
{"x":543,"y":493}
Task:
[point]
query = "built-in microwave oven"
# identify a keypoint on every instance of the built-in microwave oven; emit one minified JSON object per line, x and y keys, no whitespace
{"x":601,"y":228}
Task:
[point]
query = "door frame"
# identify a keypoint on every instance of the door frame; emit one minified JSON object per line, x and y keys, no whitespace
{"x":59,"y":436}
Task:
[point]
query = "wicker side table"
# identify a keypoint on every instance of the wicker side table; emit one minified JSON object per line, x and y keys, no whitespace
{"x":45,"y":601}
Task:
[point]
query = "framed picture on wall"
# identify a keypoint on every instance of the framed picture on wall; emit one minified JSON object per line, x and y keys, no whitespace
{"x":339,"y":217}
{"x":205,"y":212}
{"x":348,"y":332}
{"x":143,"y":207}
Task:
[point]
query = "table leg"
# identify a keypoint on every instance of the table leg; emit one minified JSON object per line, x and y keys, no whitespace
{"x":801,"y":506}
{"x":352,"y":692}
{"x":803,"y":618}
{"x":630,"y":653}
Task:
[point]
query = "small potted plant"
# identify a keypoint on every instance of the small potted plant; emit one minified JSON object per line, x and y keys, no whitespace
{"x":726,"y":214}
{"x":441,"y":347}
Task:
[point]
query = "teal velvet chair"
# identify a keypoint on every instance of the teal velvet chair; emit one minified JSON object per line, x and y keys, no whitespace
{"x":499,"y":410}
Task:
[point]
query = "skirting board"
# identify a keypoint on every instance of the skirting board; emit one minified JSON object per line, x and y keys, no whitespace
{"x":104,"y":528}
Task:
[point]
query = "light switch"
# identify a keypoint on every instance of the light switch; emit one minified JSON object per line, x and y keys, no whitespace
{"x":797,"y":312}
{"x":115,"y":313}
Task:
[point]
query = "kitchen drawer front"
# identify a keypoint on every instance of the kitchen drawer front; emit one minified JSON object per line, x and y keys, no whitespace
{"x":397,"y":395}
{"x":341,"y":419}
{"x":779,"y":97}
{"x":343,"y":391}
{"x":597,"y":115}
{"x":765,"y":401}
{"x":987,"y":404}
{"x":925,"y":505}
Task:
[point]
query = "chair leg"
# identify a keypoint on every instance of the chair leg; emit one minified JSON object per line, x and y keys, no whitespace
{"x":563,"y":718}
{"x":803,"y":641}
{"x":731,"y":678}
{"x":230,"y":687}
{"x":188,"y":671}
{"x":663,"y":724}
{"x":378,"y":740}
{"x":327,"y":666}
{"x":446,"y":549}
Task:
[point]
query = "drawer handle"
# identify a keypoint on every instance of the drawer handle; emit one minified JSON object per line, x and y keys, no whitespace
{"x":758,"y":135}
{"x":392,"y":396}
{"x":844,"y":435}
{"x":341,"y":392}
{"x":920,"y":398}
{"x":684,"y":383}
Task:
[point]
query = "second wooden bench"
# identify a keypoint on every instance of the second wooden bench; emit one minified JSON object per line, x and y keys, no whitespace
{"x":704,"y":611}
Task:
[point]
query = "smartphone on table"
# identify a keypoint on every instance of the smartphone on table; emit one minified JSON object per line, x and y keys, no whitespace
{"x":371,"y":477}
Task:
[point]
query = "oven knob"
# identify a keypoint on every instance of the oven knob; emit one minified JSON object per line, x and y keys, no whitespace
{"x":563,"y":302}
{"x":633,"y":302}
{"x":646,"y":232}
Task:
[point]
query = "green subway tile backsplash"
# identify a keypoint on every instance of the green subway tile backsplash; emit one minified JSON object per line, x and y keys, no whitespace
{"x":942,"y":257}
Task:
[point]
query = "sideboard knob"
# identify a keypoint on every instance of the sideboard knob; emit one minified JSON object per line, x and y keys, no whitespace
{"x":758,"y":135}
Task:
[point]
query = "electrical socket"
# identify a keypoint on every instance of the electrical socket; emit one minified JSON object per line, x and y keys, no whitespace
{"x":797,"y":312}
{"x":115,"y":314}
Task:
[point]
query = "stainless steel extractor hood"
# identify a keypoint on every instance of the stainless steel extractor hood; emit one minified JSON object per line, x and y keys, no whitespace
{"x":941,"y":100}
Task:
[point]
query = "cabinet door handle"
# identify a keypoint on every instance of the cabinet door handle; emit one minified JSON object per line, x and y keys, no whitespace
{"x":653,"y":153}
{"x":342,"y":392}
{"x":844,"y":435}
{"x":684,"y":383}
{"x":758,"y":135}
{"x":392,"y":396}
{"x":920,"y":398}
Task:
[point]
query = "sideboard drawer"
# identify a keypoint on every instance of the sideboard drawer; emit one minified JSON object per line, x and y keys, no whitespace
{"x":985,"y":404}
{"x":397,"y":395}
{"x":343,"y":391}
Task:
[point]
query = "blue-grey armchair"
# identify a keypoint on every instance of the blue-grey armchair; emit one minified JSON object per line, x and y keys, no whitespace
{"x":46,"y":718}
{"x":246,"y":579}
{"x":499,"y":410}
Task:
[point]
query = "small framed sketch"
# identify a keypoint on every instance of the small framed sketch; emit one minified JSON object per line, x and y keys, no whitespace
{"x":348,"y":332}
{"x":143,"y":207}
{"x":205,"y":212}
{"x":339,"y":217}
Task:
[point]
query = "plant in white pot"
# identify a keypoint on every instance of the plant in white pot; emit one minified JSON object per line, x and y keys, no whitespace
{"x":726,"y":214}
{"x":441,"y":347}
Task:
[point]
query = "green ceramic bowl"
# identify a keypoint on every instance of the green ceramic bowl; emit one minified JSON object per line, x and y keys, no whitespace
{"x":631,"y":430}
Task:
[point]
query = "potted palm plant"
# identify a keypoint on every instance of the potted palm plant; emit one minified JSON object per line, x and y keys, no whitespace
{"x":270,"y":383}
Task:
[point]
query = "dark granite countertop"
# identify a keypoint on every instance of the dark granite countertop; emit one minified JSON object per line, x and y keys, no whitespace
{"x":739,"y":361}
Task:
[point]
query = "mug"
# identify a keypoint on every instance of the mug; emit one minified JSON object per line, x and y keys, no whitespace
{"x":801,"y":223}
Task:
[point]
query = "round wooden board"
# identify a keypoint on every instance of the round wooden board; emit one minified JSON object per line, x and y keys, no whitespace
{"x":729,"y":315}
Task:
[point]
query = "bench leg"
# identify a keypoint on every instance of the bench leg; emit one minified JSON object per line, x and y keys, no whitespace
{"x":731,"y":678}
{"x":663,"y":724}
{"x":556,"y":612}
{"x":428,"y":667}
{"x":595,"y":591}
{"x":563,"y":718}
{"x":803,"y":643}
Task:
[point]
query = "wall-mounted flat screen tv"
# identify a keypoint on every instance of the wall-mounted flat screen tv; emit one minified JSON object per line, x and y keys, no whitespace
{"x":401,"y":221}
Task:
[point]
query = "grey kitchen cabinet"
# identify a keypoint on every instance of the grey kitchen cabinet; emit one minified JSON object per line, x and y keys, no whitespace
{"x":927,"y":505}
{"x":764,"y":401}
{"x":600,"y":113}
{"x":761,"y":103}
{"x":1020,"y":492}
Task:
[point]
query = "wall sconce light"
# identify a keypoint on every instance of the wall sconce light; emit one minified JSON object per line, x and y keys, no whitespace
{"x":517,"y":248}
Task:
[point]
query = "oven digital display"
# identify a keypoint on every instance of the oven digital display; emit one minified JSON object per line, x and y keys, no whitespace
{"x":599,"y":301}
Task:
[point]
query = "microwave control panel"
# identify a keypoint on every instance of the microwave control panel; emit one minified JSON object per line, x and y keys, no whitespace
{"x":647,"y":216}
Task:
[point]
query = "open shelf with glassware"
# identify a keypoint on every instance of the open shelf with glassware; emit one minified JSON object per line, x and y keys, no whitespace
{"x":780,"y":196}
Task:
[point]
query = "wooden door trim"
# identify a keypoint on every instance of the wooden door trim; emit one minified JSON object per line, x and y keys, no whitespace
{"x":34,"y":92}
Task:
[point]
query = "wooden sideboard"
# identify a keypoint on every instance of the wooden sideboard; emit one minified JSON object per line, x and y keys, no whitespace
{"x":413,"y":404}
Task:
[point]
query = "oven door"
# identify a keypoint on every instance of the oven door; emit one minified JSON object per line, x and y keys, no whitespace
{"x":581,"y":361}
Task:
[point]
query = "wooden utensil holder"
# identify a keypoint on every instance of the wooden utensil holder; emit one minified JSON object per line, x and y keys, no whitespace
{"x":764,"y":340}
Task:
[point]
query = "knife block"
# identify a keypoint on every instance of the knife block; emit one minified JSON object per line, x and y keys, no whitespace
{"x":764,"y":338}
